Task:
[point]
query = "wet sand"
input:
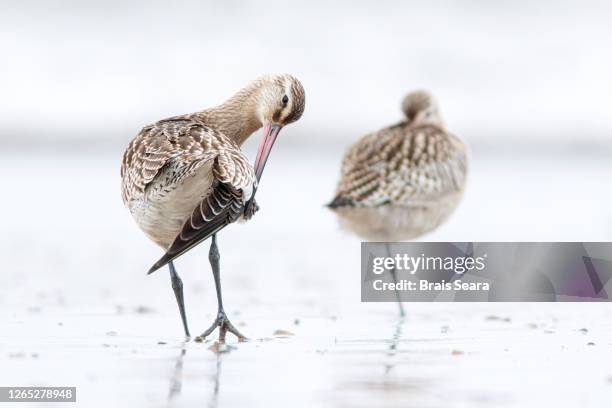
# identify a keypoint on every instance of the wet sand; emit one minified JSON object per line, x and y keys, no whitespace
{"x":77,"y":308}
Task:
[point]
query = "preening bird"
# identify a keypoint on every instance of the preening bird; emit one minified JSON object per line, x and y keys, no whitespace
{"x":184,"y":178}
{"x":404,"y":180}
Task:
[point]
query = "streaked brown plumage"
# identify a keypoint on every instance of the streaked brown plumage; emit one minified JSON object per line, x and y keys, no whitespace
{"x":159,"y":172}
{"x":184,"y":178}
{"x":404,"y":180}
{"x":173,"y":166}
{"x":160,"y":163}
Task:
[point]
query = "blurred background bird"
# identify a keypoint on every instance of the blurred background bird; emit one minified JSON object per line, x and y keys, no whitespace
{"x":404,"y":180}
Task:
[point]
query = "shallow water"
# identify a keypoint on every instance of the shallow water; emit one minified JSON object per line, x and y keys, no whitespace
{"x":78,"y":310}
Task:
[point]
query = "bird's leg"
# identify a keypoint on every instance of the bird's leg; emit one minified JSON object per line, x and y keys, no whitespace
{"x":177,"y":287}
{"x":222,"y":322}
{"x":397,"y":294}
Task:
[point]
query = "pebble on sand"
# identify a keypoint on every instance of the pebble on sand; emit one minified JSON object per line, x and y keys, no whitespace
{"x":144,"y":310}
{"x":498,"y":318}
{"x":281,"y":332}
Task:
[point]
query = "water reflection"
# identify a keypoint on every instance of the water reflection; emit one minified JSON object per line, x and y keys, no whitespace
{"x":393,"y":346}
{"x":176,"y":381}
{"x":213,"y":402}
{"x":220,"y":349}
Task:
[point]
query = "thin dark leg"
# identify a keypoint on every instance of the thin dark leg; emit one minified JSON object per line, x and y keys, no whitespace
{"x":215,"y":263}
{"x":221,"y":321}
{"x":397,"y":294}
{"x":177,"y":286}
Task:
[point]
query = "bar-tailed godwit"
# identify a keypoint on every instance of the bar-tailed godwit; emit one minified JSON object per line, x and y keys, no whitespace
{"x":404,"y":180}
{"x":185,"y":178}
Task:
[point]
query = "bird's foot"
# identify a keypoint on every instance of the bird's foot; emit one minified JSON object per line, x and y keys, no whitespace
{"x":224,"y":325}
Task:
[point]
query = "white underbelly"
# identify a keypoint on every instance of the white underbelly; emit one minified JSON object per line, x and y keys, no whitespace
{"x":163,"y":209}
{"x":395,"y":223}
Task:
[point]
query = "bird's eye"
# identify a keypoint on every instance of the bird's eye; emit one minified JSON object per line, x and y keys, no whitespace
{"x":285,"y":99}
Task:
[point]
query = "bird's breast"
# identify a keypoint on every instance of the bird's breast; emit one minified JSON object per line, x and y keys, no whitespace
{"x":397,"y":222}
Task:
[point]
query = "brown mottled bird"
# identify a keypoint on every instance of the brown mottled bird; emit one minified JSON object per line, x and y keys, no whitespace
{"x":404,"y":180}
{"x":184,"y":178}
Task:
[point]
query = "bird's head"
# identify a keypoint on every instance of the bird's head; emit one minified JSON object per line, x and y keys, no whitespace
{"x":280,"y":101}
{"x":420,"y":107}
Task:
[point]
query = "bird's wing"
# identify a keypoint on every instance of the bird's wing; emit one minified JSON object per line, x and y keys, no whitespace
{"x":224,"y":205}
{"x":233,"y":186}
{"x":185,"y":145}
{"x":403,"y":166}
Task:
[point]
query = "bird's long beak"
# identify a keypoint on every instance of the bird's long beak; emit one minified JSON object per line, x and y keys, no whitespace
{"x":265,"y":147}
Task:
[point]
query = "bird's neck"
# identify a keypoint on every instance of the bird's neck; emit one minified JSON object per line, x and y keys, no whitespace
{"x":238,"y":117}
{"x":430,"y":121}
